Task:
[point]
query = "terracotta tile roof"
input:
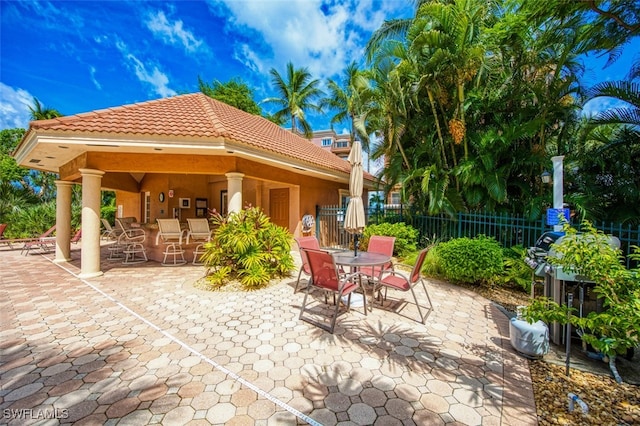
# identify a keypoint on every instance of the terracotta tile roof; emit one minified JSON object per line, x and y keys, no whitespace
{"x":195,"y":116}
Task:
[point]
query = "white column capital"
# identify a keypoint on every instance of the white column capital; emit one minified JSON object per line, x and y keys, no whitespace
{"x":234,"y":175}
{"x":91,"y":172}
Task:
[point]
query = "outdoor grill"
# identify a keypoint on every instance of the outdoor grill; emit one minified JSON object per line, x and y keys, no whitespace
{"x":559,"y":285}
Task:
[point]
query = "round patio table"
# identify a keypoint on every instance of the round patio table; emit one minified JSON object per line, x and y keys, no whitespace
{"x":363,"y":258}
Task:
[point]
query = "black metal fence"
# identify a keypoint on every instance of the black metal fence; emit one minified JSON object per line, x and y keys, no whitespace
{"x":508,"y":230}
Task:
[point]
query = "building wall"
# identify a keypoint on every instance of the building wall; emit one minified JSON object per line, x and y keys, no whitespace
{"x":305,"y":192}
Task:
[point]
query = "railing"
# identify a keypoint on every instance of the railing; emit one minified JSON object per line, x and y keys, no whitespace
{"x":508,"y":230}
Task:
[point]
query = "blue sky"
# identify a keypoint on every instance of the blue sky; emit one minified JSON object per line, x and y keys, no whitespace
{"x":88,"y":55}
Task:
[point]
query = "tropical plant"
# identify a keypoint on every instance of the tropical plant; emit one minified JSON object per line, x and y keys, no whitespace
{"x":248,"y":247}
{"x":296,"y":95}
{"x":234,"y":92}
{"x":516,"y":271}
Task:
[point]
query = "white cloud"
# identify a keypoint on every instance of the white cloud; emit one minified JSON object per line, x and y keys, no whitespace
{"x":92,"y":71}
{"x":156,"y":78}
{"x":14,"y":107}
{"x":324,"y":37}
{"x":598,"y":105}
{"x":173,"y":32}
{"x":245,"y":55}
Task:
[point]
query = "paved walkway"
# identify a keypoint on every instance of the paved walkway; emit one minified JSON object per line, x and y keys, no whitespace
{"x":140,"y":345}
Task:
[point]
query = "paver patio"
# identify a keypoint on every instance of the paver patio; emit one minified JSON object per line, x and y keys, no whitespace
{"x":141,"y":345}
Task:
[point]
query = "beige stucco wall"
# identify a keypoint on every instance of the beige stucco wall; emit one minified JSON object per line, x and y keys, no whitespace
{"x":305,"y":192}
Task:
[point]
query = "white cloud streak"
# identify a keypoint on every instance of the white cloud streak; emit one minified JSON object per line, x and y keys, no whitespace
{"x":322,"y":36}
{"x":173,"y":33}
{"x":14,"y":107}
{"x":156,"y":78}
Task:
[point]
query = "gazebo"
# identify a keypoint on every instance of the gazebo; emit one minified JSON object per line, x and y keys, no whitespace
{"x":179,"y":157}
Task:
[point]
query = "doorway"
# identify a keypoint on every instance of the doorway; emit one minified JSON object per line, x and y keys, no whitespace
{"x":279,"y":206}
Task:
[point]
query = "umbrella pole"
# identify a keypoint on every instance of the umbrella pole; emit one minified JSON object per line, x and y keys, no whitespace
{"x":355,"y":245}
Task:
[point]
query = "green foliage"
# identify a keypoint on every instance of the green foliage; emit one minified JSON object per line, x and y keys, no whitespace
{"x":248,"y":247}
{"x":617,"y":328}
{"x":470,"y":260}
{"x":234,"y":92}
{"x":516,"y":271}
{"x":32,"y":221}
{"x":406,"y":236}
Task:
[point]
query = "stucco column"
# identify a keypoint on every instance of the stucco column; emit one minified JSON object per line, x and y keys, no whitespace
{"x":63,"y":221}
{"x":91,"y":200}
{"x":234,"y":191}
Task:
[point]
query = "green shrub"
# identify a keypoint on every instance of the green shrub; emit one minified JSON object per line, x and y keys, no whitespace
{"x":248,"y":247}
{"x":406,"y":236}
{"x":469,"y":260}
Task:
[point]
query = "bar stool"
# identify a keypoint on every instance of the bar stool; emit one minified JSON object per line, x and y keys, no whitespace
{"x":176,"y":253}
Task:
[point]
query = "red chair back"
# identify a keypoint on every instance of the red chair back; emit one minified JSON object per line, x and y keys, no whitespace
{"x":323,"y":269}
{"x":381,"y":244}
{"x":384,"y":245}
{"x":417,"y":267}
{"x":3,"y":226}
{"x":307,"y":243}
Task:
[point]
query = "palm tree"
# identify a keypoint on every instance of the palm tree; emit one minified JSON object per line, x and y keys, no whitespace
{"x":296,"y":95}
{"x":40,"y":112}
{"x":347,"y":97}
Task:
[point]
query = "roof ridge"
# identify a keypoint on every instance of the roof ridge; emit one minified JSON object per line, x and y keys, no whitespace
{"x":206,"y":103}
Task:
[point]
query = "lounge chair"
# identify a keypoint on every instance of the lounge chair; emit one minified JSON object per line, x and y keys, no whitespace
{"x":76,"y":237}
{"x":45,"y":242}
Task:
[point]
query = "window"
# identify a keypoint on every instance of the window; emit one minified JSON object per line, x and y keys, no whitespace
{"x":394,"y":197}
{"x":327,"y":141}
{"x":342,"y":144}
{"x":147,"y":207}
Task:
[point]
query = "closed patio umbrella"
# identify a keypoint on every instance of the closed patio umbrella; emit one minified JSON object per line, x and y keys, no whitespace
{"x":354,"y":221}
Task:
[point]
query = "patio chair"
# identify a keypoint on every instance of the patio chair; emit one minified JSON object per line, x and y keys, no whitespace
{"x":398,"y":281}
{"x":124,"y":224}
{"x":198,"y":231}
{"x":130,"y":245}
{"x":109,"y":233}
{"x":305,"y":243}
{"x":3,"y":240}
{"x":45,"y":242}
{"x":325,"y":276}
{"x":171,"y":234}
{"x":379,"y":244}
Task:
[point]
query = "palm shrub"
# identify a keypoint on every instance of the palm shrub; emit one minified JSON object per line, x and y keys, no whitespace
{"x":616,"y":329}
{"x":470,"y":260}
{"x":406,"y":236}
{"x":516,"y":271}
{"x":246,"y":246}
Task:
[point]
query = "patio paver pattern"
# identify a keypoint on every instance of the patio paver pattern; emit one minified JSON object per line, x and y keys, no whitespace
{"x":141,"y":345}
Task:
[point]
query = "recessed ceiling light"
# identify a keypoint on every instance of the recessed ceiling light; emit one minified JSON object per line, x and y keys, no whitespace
{"x":34,"y":160}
